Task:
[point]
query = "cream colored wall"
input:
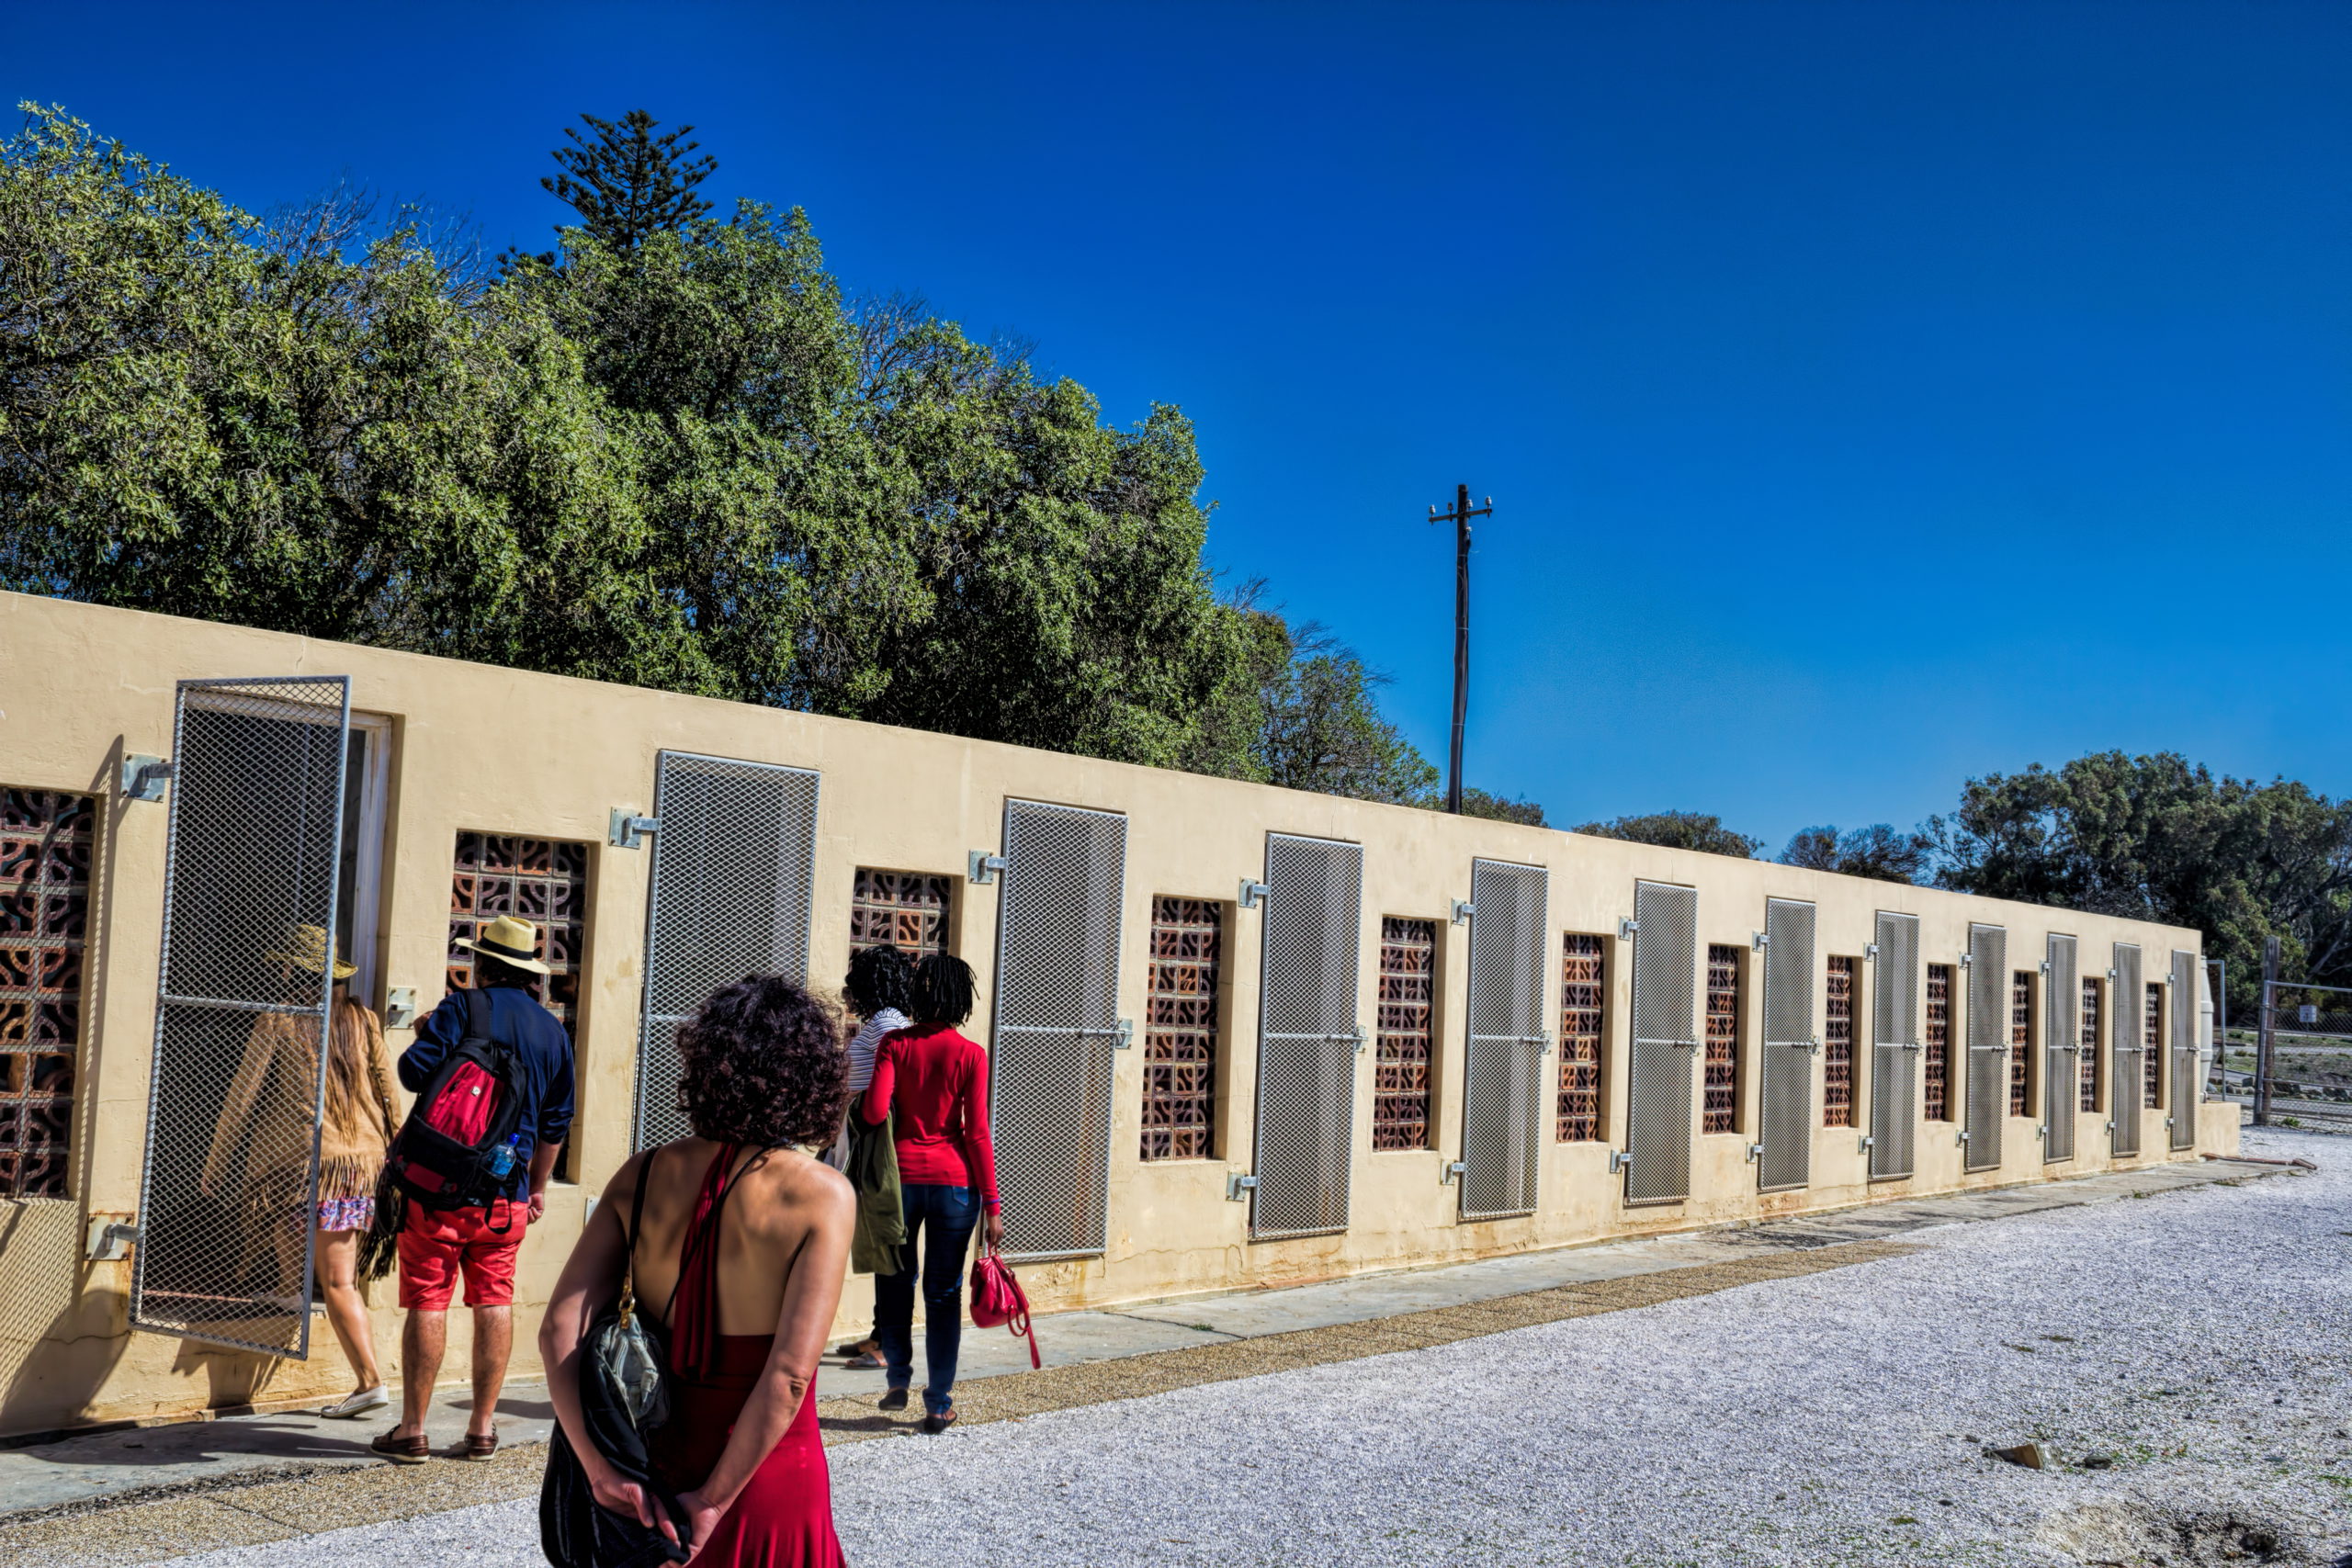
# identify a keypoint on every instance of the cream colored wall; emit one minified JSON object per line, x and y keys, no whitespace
{"x":477,"y":748}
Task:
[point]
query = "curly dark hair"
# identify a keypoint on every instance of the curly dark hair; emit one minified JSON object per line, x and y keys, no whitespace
{"x":879,"y":976}
{"x":763,"y":1064}
{"x":943,"y":989}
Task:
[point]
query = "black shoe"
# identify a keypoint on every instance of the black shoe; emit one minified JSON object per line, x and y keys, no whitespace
{"x":892,"y":1399}
{"x":941,"y":1422}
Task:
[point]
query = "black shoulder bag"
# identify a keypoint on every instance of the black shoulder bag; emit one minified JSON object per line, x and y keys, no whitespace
{"x":624,"y":1396}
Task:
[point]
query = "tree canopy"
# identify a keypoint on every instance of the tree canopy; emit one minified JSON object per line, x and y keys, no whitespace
{"x":1676,"y":830}
{"x":671,"y":451}
{"x":1877,"y":851}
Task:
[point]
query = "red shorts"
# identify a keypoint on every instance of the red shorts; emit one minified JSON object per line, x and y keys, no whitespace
{"x":437,"y":1244}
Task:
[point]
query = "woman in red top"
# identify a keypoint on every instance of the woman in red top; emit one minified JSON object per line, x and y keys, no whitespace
{"x":937,"y":1082}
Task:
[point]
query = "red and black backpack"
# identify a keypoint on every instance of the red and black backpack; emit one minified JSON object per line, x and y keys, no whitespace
{"x":448,"y":1153}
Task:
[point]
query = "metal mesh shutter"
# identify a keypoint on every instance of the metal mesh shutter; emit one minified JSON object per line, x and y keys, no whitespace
{"x":1666,"y":957}
{"x":1503,"y":1116}
{"x":2062,"y":1036}
{"x":1785,"y":1116}
{"x":1988,"y":1045}
{"x":729,"y":895}
{"x":2183,"y":1088}
{"x":1057,"y":1025}
{"x":1308,"y":1036}
{"x":1894,"y":1046}
{"x":2124,"y":1003}
{"x":250,"y":858}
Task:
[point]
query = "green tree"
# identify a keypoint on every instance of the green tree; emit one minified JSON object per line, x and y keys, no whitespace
{"x":1676,"y":830}
{"x":2158,"y":838}
{"x":204,"y":415}
{"x":628,"y":183}
{"x":1476,"y":802}
{"x":1877,"y":851}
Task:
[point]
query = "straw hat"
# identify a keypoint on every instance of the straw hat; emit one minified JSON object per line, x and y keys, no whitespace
{"x":511,"y":941}
{"x":306,"y":948}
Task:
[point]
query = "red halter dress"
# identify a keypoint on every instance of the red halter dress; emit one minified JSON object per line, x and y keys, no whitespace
{"x":784,"y":1518}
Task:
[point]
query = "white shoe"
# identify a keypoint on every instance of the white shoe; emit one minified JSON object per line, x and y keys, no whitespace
{"x":355,"y":1404}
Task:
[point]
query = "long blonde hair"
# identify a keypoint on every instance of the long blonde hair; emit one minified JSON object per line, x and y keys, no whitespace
{"x":350,"y":1095}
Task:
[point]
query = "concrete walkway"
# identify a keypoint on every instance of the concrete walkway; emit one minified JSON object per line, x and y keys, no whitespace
{"x":106,"y":1469}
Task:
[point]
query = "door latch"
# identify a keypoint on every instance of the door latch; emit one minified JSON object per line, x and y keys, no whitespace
{"x":628,"y":829}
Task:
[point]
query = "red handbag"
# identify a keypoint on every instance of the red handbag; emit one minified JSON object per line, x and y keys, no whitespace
{"x":998,"y":1299}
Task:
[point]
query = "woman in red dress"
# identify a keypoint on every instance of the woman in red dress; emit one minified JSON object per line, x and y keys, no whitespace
{"x":744,"y":1244}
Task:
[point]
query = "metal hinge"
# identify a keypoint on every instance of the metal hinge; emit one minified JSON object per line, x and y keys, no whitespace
{"x":1763,"y":940}
{"x":110,"y":1241}
{"x":1626,"y":927}
{"x":1253,"y":893}
{"x":1869,"y":1144}
{"x":1450,"y":1171}
{"x":1238,"y":1187}
{"x":628,"y":830}
{"x":1620,"y":1159}
{"x":1869,"y":952}
{"x":1754,"y":1153}
{"x":1463,"y":911}
{"x":982,"y":867}
{"x":1967,"y":959}
{"x":143,"y":777}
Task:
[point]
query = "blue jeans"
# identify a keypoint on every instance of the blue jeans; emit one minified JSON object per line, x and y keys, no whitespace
{"x":939,"y":1226}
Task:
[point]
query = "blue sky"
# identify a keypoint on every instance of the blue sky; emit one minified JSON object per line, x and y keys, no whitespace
{"x":1873,"y":395}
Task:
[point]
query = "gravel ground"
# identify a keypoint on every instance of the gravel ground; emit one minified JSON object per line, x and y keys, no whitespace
{"x":2201,"y":1340}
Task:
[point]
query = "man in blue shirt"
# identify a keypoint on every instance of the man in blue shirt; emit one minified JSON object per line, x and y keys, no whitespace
{"x":437,"y":1245}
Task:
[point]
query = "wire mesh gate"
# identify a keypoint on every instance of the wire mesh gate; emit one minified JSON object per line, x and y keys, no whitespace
{"x":1784,"y":1119}
{"x":1057,"y":1025}
{"x":1658,"y":1135}
{"x":728,"y":895}
{"x":2181,"y":1089}
{"x":1895,"y":1048}
{"x":1504,"y":1128}
{"x":233,"y":1101}
{"x":2061,"y":1050}
{"x":1308,"y":1036}
{"x":1988,"y":1045}
{"x":2125,"y":1035}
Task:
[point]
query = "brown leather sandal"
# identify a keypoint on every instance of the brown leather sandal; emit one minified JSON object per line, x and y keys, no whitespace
{"x":482,"y":1445}
{"x":403,"y":1450}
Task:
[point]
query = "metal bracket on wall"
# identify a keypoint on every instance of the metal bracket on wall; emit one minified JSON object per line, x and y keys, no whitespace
{"x":1762,"y":941}
{"x":1754,"y":1153}
{"x":1869,"y":1143}
{"x":110,"y":1240}
{"x":627,"y":829}
{"x":1238,"y":1187}
{"x":1967,"y":959}
{"x":1253,"y":893}
{"x":1620,"y":1159}
{"x":1125,"y":1035}
{"x":1626,"y":928}
{"x":1451,"y":1171}
{"x":1463,"y":910}
{"x":1869,"y":952}
{"x":399,"y":1008}
{"x":143,"y":777}
{"x":982,"y":867}
{"x":2042,"y":1132}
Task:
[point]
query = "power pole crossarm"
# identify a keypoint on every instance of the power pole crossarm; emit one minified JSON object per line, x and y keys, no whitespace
{"x":1460,"y":517}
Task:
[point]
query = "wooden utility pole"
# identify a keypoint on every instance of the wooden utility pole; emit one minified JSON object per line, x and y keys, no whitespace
{"x":1460,"y":517}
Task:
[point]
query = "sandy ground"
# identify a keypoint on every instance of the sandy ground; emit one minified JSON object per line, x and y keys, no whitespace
{"x":2199,"y":1342}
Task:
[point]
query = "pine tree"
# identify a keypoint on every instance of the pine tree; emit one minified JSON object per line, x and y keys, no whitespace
{"x":628,"y":182}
